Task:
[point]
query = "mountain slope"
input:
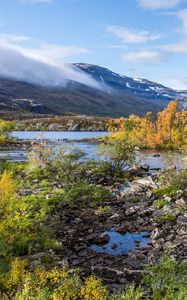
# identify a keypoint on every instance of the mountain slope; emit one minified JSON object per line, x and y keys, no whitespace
{"x":120,"y":96}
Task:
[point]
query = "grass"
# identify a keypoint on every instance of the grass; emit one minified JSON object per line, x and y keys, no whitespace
{"x":165,"y":191}
{"x":161,"y":203}
{"x":165,"y":218}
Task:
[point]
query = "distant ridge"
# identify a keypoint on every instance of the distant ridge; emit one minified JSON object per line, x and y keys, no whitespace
{"x":120,"y":96}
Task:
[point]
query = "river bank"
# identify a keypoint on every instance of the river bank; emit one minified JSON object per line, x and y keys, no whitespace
{"x":65,"y":123}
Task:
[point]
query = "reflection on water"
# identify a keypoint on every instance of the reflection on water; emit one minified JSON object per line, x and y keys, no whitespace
{"x":57,"y":135}
{"x":122,"y":244}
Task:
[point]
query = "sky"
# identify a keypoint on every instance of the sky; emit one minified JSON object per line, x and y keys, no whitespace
{"x":138,"y":38}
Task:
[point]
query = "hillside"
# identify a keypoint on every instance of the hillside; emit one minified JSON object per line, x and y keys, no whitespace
{"x":119,"y":96}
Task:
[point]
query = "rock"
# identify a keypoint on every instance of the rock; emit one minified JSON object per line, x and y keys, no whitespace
{"x":180,"y":203}
{"x":102,"y":239}
{"x":156,"y":155}
{"x":145,"y":167}
{"x":144,"y":182}
{"x":158,"y":233}
{"x":182,"y":220}
{"x":133,"y":263}
{"x":155,"y":252}
{"x":114,"y":246}
{"x":167,"y":198}
{"x":115,"y":216}
{"x":166,"y":208}
{"x":121,"y":229}
{"x":185,"y":193}
{"x":107,"y":272}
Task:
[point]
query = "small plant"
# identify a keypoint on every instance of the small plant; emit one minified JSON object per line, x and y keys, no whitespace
{"x":85,"y":195}
{"x":165,"y":218}
{"x":161,"y":203}
{"x":93,"y":289}
{"x":119,"y":155}
{"x":7,"y":186}
{"x":104,"y":210}
{"x":131,"y":293}
{"x":167,"y":279}
{"x":165,"y":191}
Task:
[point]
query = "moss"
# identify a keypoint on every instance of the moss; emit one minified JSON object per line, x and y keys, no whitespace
{"x":168,"y":191}
{"x":161,"y":203}
{"x":165,"y":218}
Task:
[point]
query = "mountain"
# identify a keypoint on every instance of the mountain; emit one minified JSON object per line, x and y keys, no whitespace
{"x":119,"y":95}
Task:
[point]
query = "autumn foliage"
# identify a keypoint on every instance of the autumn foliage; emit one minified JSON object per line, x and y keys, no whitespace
{"x":166,"y":130}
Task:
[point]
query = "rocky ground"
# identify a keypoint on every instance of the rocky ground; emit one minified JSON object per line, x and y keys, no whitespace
{"x":134,"y":209}
{"x":64,"y":123}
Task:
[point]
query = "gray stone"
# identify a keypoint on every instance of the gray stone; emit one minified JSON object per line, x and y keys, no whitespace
{"x":182,"y":220}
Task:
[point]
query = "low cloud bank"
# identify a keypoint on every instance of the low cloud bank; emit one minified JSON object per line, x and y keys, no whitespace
{"x":16,"y":65}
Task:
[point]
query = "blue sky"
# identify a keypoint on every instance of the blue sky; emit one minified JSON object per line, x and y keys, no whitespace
{"x":139,"y":38}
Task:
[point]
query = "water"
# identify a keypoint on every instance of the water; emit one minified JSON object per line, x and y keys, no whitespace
{"x":73,"y":139}
{"x":57,"y":135}
{"x":123,"y":243}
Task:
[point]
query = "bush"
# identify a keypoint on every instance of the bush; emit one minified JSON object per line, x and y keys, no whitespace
{"x":167,"y":279}
{"x":85,"y":195}
{"x":7,"y":187}
{"x":119,"y":154}
{"x":175,"y":179}
{"x":93,"y":289}
{"x":165,"y":218}
{"x":161,"y":203}
{"x":131,"y":293}
{"x":165,"y":191}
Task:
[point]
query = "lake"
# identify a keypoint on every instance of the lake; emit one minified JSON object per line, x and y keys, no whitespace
{"x":76,"y":139}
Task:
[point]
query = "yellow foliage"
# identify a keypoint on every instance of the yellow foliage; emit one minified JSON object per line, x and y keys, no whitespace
{"x":167,"y":129}
{"x":7,"y":187}
{"x":6,"y":126}
{"x":2,"y":139}
{"x":93,"y":289}
{"x":17,"y":273}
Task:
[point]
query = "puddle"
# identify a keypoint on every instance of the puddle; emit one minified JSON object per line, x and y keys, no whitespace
{"x":123,"y":243}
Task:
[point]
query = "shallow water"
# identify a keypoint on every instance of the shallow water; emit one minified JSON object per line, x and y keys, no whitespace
{"x":123,"y":243}
{"x":73,"y":139}
{"x":57,"y":135}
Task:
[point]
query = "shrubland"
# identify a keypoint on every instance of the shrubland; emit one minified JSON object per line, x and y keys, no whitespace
{"x":5,"y":128}
{"x":166,"y":130}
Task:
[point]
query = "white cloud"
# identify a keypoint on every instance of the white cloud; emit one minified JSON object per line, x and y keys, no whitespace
{"x":134,"y":37}
{"x":42,"y":64}
{"x":177,"y":82}
{"x":117,"y":47}
{"x":13,"y":38}
{"x":144,"y":56}
{"x":182,"y":14}
{"x":158,"y":4}
{"x":53,"y":53}
{"x":175,"y":48}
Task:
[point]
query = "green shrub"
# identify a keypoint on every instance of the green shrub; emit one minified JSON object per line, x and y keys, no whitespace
{"x":85,"y":195}
{"x":175,"y":179}
{"x":165,"y":191}
{"x":119,"y":155}
{"x":167,"y":279}
{"x":104,"y":210}
{"x":161,"y":203}
{"x":131,"y":293}
{"x":165,"y":218}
